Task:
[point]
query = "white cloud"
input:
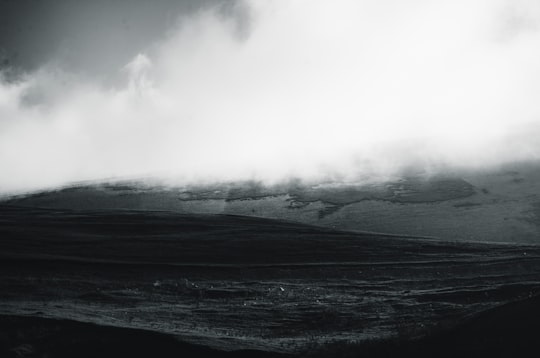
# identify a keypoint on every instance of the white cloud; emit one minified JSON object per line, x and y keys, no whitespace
{"x":350,"y":87}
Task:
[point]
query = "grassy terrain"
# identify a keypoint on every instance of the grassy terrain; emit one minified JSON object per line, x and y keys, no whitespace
{"x":230,"y":282}
{"x":54,"y":338}
{"x":510,"y":330}
{"x":507,"y":330}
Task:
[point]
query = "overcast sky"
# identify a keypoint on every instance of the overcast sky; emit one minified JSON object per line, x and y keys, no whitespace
{"x":223,"y":90}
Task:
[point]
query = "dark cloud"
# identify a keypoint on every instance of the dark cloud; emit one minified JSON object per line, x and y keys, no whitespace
{"x":94,"y":37}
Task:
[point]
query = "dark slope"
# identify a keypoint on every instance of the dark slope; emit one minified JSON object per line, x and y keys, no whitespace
{"x":232,"y":282}
{"x":509,"y":330}
{"x":52,"y":338}
{"x":156,"y":237}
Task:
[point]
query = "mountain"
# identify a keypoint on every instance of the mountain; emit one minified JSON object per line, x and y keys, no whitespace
{"x":496,"y":205}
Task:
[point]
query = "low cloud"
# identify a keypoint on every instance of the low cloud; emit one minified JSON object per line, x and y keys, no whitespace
{"x":290,"y":88}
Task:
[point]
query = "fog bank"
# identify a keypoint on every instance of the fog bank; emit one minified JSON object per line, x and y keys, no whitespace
{"x":274,"y":89}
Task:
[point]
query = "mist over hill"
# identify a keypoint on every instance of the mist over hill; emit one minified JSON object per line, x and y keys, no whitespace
{"x":266,"y":91}
{"x":297,"y":178}
{"x":488,"y":206}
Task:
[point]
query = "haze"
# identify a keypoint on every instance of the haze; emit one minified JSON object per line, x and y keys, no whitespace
{"x":267,"y":90}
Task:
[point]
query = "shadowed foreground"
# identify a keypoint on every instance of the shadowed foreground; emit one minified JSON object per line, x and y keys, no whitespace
{"x":39,"y":337}
{"x":510,"y":330}
{"x":232,"y":283}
